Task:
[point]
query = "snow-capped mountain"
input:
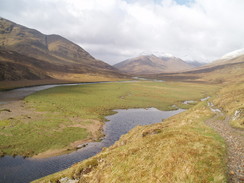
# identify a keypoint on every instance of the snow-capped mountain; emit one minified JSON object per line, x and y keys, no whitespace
{"x":157,"y":54}
{"x":152,"y":64}
{"x":233,"y":54}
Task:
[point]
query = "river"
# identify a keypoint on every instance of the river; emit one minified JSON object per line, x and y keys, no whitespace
{"x":20,"y":170}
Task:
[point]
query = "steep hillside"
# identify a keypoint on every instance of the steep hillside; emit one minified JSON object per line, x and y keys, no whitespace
{"x":45,"y":56}
{"x":151,"y":64}
{"x":31,"y":42}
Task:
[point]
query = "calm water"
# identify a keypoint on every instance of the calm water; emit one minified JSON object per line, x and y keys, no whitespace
{"x":20,"y":170}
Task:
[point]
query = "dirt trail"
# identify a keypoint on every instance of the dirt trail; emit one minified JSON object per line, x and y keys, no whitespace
{"x":234,"y":139}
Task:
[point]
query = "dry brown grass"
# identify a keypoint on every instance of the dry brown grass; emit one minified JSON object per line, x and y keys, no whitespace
{"x":181,"y":149}
{"x":230,"y":99}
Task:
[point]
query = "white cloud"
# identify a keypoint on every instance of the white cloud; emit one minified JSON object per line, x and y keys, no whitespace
{"x":113,"y":30}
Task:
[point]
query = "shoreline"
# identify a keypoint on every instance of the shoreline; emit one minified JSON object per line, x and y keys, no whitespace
{"x":95,"y":129}
{"x":96,"y":135}
{"x":11,"y":85}
{"x":14,"y":109}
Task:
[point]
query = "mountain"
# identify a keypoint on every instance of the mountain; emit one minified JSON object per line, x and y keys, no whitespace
{"x":233,"y":58}
{"x":151,"y":64}
{"x":33,"y":55}
{"x":157,"y":54}
{"x":195,"y":63}
{"x":219,"y":71}
{"x":14,"y":66}
{"x":233,"y":54}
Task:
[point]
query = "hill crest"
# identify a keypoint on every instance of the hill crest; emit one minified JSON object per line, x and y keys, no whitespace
{"x":49,"y":54}
{"x":151,"y":64}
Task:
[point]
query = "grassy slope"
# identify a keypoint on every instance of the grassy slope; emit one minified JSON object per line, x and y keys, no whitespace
{"x":230,"y":99}
{"x":181,"y":149}
{"x":82,"y":105}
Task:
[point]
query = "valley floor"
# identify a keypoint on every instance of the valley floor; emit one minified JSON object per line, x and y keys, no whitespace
{"x":180,"y":149}
{"x":82,"y":107}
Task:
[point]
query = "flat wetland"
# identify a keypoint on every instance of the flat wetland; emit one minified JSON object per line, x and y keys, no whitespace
{"x":57,"y":120}
{"x":52,"y":121}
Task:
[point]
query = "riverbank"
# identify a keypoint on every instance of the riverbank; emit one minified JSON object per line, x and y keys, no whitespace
{"x":44,"y":116}
{"x":181,"y":149}
{"x":14,"y":169}
{"x":9,"y":85}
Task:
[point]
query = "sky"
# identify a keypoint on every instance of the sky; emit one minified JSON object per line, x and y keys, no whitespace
{"x":115,"y":30}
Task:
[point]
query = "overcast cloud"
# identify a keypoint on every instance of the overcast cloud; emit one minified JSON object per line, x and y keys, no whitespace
{"x":114,"y":30}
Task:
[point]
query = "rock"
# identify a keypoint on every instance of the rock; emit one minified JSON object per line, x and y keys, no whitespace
{"x":237,"y":114}
{"x":232,"y":173}
{"x":81,"y":146}
{"x":68,"y":180}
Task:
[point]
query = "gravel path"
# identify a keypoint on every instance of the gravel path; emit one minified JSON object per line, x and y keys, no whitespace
{"x":234,"y":139}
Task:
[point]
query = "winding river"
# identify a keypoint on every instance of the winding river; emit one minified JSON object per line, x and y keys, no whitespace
{"x":20,"y":170}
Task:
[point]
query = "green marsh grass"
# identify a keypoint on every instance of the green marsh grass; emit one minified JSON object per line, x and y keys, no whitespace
{"x":181,"y":149}
{"x":58,"y":109}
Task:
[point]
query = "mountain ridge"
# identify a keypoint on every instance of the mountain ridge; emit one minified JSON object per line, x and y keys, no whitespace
{"x":151,"y":64}
{"x":51,"y":56}
{"x":233,"y":54}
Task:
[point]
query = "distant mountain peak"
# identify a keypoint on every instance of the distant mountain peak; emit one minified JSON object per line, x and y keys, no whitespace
{"x":157,"y":54}
{"x":152,"y":64}
{"x":233,"y":54}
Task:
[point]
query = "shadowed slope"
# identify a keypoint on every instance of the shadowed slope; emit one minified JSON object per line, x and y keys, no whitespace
{"x":44,"y":56}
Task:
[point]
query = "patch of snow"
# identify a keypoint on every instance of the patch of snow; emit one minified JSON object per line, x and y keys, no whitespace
{"x":158,"y":54}
{"x":233,"y":54}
